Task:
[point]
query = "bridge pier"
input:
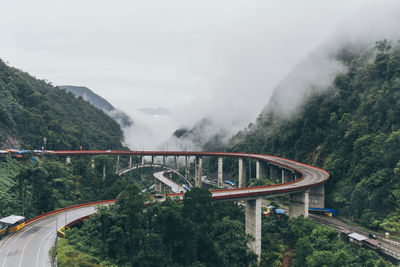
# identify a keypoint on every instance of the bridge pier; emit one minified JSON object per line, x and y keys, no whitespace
{"x":152,"y":159}
{"x":261,"y":170}
{"x":271,"y":172}
{"x":68,"y":160}
{"x":176,"y":161}
{"x":164,"y":160}
{"x":187,"y":170}
{"x":242,"y":174}
{"x":198,"y":172}
{"x":298,"y":204}
{"x":117,"y":165}
{"x":130,"y":162}
{"x":220,"y":172}
{"x":157,"y":186}
{"x":92,"y":164}
{"x":283,"y":176}
{"x":317,"y":196}
{"x":253,"y":224}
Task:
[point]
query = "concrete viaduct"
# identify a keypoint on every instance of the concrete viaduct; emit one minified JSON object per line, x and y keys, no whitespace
{"x":304,"y":183}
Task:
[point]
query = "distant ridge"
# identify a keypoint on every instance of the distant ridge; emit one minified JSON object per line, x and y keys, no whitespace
{"x":95,"y":100}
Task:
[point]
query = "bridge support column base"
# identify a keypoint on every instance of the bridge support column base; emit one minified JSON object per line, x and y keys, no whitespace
{"x":253,"y":224}
{"x":157,"y":186}
{"x":220,"y":172}
{"x":298,"y":204}
{"x":199,"y":170}
{"x":317,"y":196}
{"x":261,"y":170}
{"x":242,"y":174}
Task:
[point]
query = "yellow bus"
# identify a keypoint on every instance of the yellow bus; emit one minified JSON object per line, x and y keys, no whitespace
{"x":11,"y":224}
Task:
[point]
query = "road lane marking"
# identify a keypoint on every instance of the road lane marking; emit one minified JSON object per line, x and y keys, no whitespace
{"x":27,"y":242}
{"x":38,"y":254}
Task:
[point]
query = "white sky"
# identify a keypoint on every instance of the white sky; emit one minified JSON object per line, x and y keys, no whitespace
{"x":195,"y":58}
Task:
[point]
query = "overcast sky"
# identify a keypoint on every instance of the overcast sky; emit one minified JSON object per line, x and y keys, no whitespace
{"x":194,"y":58}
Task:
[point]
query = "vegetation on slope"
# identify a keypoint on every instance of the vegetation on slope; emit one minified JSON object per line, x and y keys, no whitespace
{"x":196,"y":232}
{"x":199,"y":232}
{"x":100,"y":103}
{"x":31,"y":109}
{"x":31,"y":188}
{"x":352,"y":130}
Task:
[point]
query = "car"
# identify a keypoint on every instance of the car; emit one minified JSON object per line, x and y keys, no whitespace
{"x":371,"y":235}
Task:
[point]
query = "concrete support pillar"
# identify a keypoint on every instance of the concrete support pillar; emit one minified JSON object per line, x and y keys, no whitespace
{"x":261,"y":170}
{"x":199,"y":169}
{"x":220,"y":172}
{"x":317,"y":196}
{"x":152,"y":159}
{"x":68,"y":160}
{"x":242,"y":174}
{"x":117,"y":165}
{"x":176,"y":163}
{"x":92,"y":164}
{"x":187,"y":170}
{"x":142,"y":159}
{"x":283,"y":176}
{"x":253,"y":224}
{"x":164,"y":160}
{"x":298,"y":204}
{"x":104,"y":172}
{"x":130,"y":162}
{"x":157,"y":185}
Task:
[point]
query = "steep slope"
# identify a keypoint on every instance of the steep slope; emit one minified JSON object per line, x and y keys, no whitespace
{"x":351,"y":129}
{"x":31,"y":109}
{"x":100,"y":103}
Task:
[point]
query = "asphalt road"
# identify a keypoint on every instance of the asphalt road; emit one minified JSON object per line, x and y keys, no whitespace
{"x":31,"y":245}
{"x":176,"y":188}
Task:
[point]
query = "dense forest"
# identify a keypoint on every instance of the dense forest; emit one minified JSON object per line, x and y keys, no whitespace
{"x":199,"y":232}
{"x":31,"y":109}
{"x":352,"y":130}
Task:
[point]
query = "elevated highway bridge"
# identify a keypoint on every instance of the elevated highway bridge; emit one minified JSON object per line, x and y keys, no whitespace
{"x":303,"y":183}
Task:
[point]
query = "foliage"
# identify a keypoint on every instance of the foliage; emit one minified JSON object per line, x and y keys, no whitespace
{"x":351,"y":129}
{"x":192,"y":233}
{"x":31,"y":109}
{"x":313,"y":245}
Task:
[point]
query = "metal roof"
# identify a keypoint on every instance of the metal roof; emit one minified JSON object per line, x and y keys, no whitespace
{"x":357,"y":237}
{"x":11,"y":219}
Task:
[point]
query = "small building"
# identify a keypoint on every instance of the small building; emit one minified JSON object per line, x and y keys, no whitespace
{"x":357,"y":239}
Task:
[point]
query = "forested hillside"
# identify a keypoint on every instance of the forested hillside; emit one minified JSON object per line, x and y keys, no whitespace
{"x":352,"y":130}
{"x":31,"y":109}
{"x":100,"y":103}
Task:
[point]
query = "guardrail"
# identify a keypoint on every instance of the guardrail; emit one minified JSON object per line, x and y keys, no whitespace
{"x":68,"y":208}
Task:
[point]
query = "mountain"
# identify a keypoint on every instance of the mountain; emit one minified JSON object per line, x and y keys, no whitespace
{"x":31,"y":110}
{"x":350,"y":128}
{"x":204,"y":135}
{"x":100,"y":103}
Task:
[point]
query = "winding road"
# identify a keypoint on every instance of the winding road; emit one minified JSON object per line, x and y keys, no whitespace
{"x":31,"y":245}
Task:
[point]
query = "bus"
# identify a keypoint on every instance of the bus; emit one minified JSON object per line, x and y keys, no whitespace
{"x":11,"y":224}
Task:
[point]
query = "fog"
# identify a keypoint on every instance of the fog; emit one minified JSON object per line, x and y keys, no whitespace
{"x":169,"y":64}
